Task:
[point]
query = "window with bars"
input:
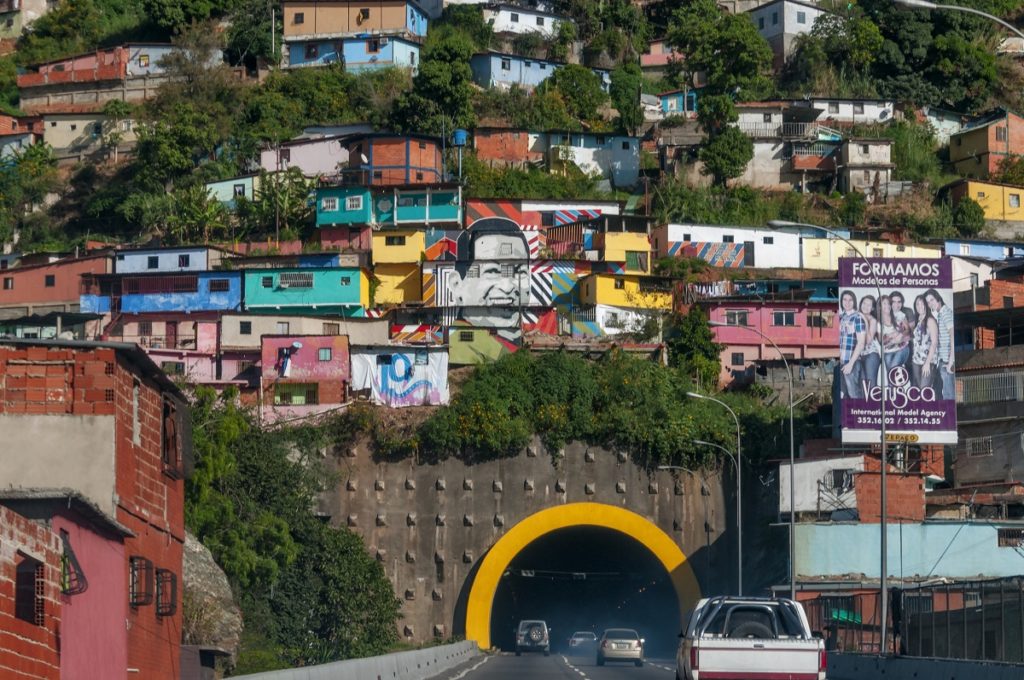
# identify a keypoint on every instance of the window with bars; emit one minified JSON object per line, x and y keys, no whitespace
{"x":173,"y":367}
{"x":183,"y":260}
{"x":267,"y":281}
{"x":394,"y":240}
{"x":353,"y":203}
{"x":160,"y":284}
{"x":465,"y":336}
{"x":145,"y":328}
{"x":166,"y":592}
{"x":329,"y":204}
{"x":245,"y":327}
{"x":737,"y":359}
{"x":978,"y":446}
{"x":29,"y":590}
{"x":332,"y":329}
{"x":219,"y":285}
{"x":296,"y":394}
{"x":296,"y":280}
{"x":1011,"y":538}
{"x":140,"y":581}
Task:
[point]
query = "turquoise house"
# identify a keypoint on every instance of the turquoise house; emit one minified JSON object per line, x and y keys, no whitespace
{"x":304,"y":290}
{"x":413,"y":205}
{"x":226,"y":191}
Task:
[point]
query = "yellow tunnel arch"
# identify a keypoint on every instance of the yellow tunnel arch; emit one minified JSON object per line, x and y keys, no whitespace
{"x":498,"y":558}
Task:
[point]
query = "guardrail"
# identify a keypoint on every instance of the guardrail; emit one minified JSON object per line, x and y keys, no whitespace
{"x":843,"y":666}
{"x":418,"y":664}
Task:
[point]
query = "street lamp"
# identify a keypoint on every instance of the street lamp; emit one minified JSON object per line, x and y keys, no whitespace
{"x":924,"y":4}
{"x":739,"y":489}
{"x":792,"y":454}
{"x":883,"y":586}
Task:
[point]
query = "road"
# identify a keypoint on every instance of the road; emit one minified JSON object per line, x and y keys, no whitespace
{"x":507,"y":666}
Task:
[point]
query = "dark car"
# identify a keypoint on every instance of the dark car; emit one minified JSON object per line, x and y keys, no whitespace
{"x":533,"y":636}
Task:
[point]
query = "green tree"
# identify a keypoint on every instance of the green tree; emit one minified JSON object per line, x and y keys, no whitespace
{"x":726,"y":155}
{"x":175,"y":16}
{"x":117,"y":112}
{"x":442,"y":94}
{"x":1010,"y":170}
{"x":465,"y":19}
{"x":725,"y":47}
{"x":627,"y":83}
{"x":9,"y":85}
{"x":692,"y":347}
{"x":968,"y":217}
{"x":580,"y":88}
{"x":248,"y":36}
{"x":852,"y":210}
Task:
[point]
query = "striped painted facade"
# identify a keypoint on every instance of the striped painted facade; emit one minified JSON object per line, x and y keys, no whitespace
{"x":417,"y":333}
{"x":724,"y":255}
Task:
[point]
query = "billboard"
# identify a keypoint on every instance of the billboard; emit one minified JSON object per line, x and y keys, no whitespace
{"x":906,"y":331}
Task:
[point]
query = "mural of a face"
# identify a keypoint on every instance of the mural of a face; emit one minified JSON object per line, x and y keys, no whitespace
{"x":492,"y":280}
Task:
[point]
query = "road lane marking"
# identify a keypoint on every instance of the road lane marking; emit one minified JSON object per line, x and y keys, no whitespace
{"x":470,"y":670}
{"x":571,"y":667}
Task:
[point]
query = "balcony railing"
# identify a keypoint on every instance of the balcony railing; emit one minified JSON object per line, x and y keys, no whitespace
{"x":788,"y":130}
{"x":984,"y":389}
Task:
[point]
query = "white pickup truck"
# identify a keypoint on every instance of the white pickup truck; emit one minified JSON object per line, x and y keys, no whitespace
{"x":749,"y":638}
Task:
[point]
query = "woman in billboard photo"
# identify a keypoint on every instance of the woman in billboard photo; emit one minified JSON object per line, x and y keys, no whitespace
{"x":925,"y":345}
{"x":871,"y":357}
{"x":852,"y":338}
{"x":944,"y":318}
{"x":896,"y":342}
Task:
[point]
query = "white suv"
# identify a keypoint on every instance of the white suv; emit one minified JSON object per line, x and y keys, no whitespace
{"x":533,"y":636}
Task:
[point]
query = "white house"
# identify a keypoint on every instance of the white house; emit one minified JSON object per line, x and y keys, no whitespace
{"x":614,"y":157}
{"x":944,"y":123}
{"x":516,"y":19}
{"x":314,"y":157}
{"x":734,"y":246}
{"x":850,"y":111}
{"x":781,"y":21}
{"x":824,"y":486}
{"x":863,"y":163}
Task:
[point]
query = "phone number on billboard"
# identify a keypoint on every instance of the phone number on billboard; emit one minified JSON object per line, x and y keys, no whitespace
{"x":868,"y":420}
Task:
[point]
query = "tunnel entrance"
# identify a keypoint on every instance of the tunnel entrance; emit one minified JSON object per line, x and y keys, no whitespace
{"x":587,"y":578}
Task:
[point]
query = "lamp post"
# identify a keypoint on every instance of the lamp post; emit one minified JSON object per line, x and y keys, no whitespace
{"x":883,"y":586}
{"x":739,"y":517}
{"x":792,"y":454}
{"x":739,"y":489}
{"x":924,"y":4}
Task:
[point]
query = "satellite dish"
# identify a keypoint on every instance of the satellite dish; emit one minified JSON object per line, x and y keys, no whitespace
{"x":364,"y":159}
{"x":296,"y":345}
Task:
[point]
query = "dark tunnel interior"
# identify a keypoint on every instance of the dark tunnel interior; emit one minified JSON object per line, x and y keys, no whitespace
{"x":587,"y":579}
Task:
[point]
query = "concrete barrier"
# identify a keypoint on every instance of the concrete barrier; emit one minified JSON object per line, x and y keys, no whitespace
{"x":865,"y":666}
{"x":418,"y":664}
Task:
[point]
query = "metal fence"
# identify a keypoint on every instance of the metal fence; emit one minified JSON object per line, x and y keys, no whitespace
{"x":983,"y":389}
{"x":849,"y":621}
{"x":978,"y":620}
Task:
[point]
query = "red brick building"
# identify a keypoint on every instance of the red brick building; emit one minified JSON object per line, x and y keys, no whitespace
{"x":48,"y":287}
{"x":103,"y":419}
{"x":504,"y":147}
{"x":30,"y":572}
{"x":394,"y":160}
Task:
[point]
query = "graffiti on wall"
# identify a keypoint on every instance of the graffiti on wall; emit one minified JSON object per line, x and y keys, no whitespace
{"x":401,"y":376}
{"x":417,"y":334}
{"x":726,"y":255}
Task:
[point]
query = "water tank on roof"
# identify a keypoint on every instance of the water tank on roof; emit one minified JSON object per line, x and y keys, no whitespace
{"x":459,"y":137}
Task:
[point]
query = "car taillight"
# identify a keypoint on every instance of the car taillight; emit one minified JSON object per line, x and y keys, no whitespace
{"x":604,"y":644}
{"x":822,"y":661}
{"x":694,"y":658}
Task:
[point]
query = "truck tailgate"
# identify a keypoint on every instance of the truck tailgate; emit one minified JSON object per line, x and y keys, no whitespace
{"x":725,"y":658}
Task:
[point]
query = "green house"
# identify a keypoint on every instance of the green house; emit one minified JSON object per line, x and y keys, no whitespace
{"x":382,"y":206}
{"x":307,"y":290}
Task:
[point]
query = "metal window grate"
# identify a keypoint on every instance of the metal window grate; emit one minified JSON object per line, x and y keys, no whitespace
{"x":160,"y":284}
{"x":140,"y":591}
{"x":980,"y":389}
{"x":296,"y":280}
{"x":220,"y":285}
{"x":72,"y":578}
{"x":166,"y":592}
{"x":1011,"y":538}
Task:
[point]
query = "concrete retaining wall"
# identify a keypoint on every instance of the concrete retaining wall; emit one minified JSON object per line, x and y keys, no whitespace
{"x":864,"y":667}
{"x":418,"y":664}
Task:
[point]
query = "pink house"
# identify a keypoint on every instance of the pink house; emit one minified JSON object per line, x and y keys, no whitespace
{"x":303,"y":374}
{"x":806,"y":332}
{"x":93,"y":597}
{"x":656,"y":58}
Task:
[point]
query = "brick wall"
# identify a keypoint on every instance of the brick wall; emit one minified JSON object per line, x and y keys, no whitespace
{"x":151,"y":504}
{"x":399,"y":159}
{"x":42,"y":380}
{"x":503,"y":146}
{"x":998,"y":290}
{"x":905,"y":495}
{"x":28,"y":650}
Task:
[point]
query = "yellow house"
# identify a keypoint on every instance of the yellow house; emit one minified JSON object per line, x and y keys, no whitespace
{"x":1001,"y":202}
{"x":633,"y":248}
{"x":628,"y":290}
{"x":396,"y":265}
{"x":824,"y":253}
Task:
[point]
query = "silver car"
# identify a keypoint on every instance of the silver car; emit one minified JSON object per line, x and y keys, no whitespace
{"x":620,"y":644}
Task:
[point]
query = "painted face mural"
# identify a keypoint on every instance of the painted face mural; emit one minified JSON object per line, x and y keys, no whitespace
{"x":491,"y":281}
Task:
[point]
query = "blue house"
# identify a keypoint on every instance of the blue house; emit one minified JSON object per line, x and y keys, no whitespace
{"x":494,"y":69}
{"x":678,"y":102}
{"x":204,"y":291}
{"x":414,"y":205}
{"x":359,"y":53}
{"x":984,"y":249}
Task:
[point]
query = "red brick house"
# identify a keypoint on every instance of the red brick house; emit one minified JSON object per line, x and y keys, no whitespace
{"x":103,"y":420}
{"x":30,"y":558}
{"x":393,"y":160}
{"x":47,"y":287}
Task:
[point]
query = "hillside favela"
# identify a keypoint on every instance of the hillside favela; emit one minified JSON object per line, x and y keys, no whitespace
{"x":523,"y":340}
